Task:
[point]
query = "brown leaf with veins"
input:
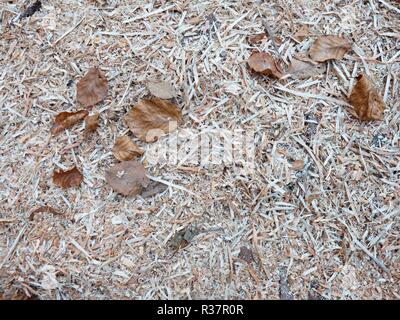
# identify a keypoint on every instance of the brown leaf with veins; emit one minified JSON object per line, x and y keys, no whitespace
{"x":67,"y":179}
{"x":92,"y":88}
{"x":127,"y":177}
{"x":264,"y":63}
{"x":91,"y":124}
{"x":328,"y":48}
{"x":65,"y":120}
{"x":366,"y":100}
{"x":151,"y":118}
{"x":125,"y":149}
{"x":161,"y":89}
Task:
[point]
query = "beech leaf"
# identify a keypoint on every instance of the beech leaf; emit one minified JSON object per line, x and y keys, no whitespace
{"x":91,"y":124}
{"x":328,"y":48}
{"x":92,"y":88}
{"x":127,"y":177}
{"x":303,"y":67}
{"x":65,"y":120}
{"x":264,"y":63}
{"x":125,"y":149}
{"x":151,"y":118}
{"x":67,"y":179}
{"x":366,"y":100}
{"x":162,"y":89}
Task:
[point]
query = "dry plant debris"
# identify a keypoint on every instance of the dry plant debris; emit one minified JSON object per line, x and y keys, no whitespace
{"x":366,"y":100}
{"x":92,"y":88}
{"x":43,"y":209}
{"x":32,"y":9}
{"x":67,"y":179}
{"x":125,"y":149}
{"x":265,"y":64}
{"x":91,"y":124}
{"x":64,"y":120}
{"x":246,"y":254}
{"x":161,"y":89}
{"x":302,"y":67}
{"x":329,"y":48}
{"x":151,"y":118}
{"x":335,"y":221}
{"x":127,"y":177}
{"x":256,"y":38}
{"x":153,"y":188}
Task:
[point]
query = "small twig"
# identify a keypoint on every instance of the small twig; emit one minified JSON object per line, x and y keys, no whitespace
{"x":69,"y":31}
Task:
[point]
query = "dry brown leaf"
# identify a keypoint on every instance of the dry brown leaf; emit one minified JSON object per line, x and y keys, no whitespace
{"x":125,"y":149}
{"x":302,"y":33}
{"x":151,"y":118}
{"x":92,"y":88}
{"x":153,"y":188}
{"x":127,"y":177}
{"x":161,"y":89}
{"x":264,"y":63}
{"x":65,"y":120}
{"x":256,"y":38}
{"x":366,"y":100}
{"x":328,"y":48}
{"x":67,"y":179}
{"x":91,"y":124}
{"x":303,"y":67}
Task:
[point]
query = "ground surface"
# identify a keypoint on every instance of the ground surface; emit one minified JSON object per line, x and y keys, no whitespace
{"x":312,"y":233}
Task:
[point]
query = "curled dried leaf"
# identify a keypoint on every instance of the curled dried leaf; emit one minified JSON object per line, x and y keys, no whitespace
{"x":162,"y":89}
{"x":303,"y":67}
{"x":127,"y":177}
{"x":43,"y":209}
{"x":125,"y":149}
{"x":91,"y":124}
{"x":151,"y":118}
{"x":328,"y":48}
{"x":65,"y":120}
{"x":67,"y":179}
{"x":366,"y":100}
{"x":92,"y":88}
{"x":264,"y":63}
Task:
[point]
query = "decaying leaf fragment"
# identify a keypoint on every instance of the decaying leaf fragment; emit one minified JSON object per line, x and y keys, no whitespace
{"x":264,"y":63}
{"x":92,"y":88}
{"x":91,"y":124}
{"x":67,"y":179}
{"x":65,"y":120}
{"x":328,"y":48}
{"x":151,"y":118}
{"x":256,"y":38}
{"x":302,"y":67}
{"x":161,"y":89}
{"x":153,"y":188}
{"x":366,"y":100}
{"x":127,"y":177}
{"x":302,"y":33}
{"x":125,"y":149}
